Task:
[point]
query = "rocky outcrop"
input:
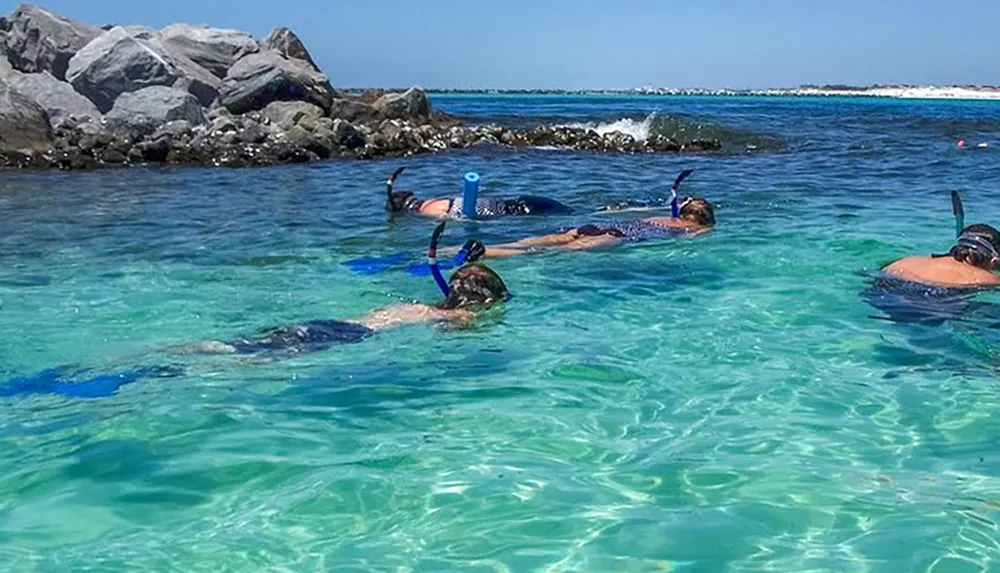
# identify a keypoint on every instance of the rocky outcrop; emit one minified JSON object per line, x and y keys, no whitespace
{"x":265,"y":77}
{"x":151,"y":107}
{"x":57,"y":98}
{"x":176,"y":134}
{"x":285,"y":42}
{"x":199,"y":95}
{"x":214,"y":49}
{"x":24,"y":125}
{"x":40,"y":41}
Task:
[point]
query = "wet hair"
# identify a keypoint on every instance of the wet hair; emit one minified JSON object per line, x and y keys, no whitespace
{"x":474,"y":285}
{"x":978,"y":245}
{"x":698,"y":210}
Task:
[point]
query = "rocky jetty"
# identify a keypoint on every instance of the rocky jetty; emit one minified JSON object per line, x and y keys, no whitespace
{"x":76,"y":96}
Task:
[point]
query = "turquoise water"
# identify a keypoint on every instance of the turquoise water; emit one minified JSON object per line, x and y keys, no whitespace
{"x":725,"y":403}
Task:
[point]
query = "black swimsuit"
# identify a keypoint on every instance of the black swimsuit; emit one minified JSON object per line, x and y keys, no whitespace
{"x":630,"y":231}
{"x":309,"y":336}
{"x":913,"y":302}
{"x":522,"y":205}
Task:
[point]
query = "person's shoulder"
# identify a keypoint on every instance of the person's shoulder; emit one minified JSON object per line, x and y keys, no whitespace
{"x":909,"y":261}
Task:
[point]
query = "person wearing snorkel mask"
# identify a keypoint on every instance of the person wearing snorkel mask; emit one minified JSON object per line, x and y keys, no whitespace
{"x":486,"y":207}
{"x":970,"y":263}
{"x":932,"y":289}
{"x":472,"y":288}
{"x":691,"y":216}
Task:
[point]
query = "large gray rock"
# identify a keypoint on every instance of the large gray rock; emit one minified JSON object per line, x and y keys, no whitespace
{"x":411,"y":104}
{"x":127,"y":59}
{"x":192,"y":77}
{"x":40,"y":41}
{"x":116,"y":63}
{"x":214,"y":49}
{"x":24,"y":125}
{"x":289,"y":113}
{"x":286,"y":43}
{"x":265,"y":77}
{"x":5,"y":66}
{"x":352,"y":110}
{"x":152,"y":107}
{"x":57,"y":98}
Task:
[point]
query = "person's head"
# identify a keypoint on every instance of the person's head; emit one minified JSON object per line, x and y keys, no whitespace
{"x":697,"y":210}
{"x":979,"y":246}
{"x":401,"y":202}
{"x":474,"y":285}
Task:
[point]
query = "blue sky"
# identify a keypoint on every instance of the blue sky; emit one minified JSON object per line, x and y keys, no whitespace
{"x":589,"y":44}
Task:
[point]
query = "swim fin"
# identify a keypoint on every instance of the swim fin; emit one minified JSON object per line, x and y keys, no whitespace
{"x":54,"y":381}
{"x":375,"y":265}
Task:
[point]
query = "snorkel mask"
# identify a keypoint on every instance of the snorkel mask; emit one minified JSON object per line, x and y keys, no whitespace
{"x":973,"y":240}
{"x":980,"y":244}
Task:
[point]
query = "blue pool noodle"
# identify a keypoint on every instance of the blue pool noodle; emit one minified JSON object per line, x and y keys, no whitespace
{"x":470,"y":195}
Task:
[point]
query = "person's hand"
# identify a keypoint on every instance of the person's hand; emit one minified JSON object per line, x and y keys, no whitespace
{"x":474,"y":250}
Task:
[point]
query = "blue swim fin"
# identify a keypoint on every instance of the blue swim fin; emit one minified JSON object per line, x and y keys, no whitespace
{"x":52,"y":381}
{"x":375,"y":265}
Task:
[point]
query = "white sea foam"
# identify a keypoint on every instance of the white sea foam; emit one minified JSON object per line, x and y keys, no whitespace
{"x":639,"y":130}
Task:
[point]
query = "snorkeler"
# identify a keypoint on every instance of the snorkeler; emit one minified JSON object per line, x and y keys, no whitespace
{"x":931,"y":289}
{"x":970,"y":263}
{"x":471,"y":288}
{"x":486,"y":207}
{"x":692,"y":216}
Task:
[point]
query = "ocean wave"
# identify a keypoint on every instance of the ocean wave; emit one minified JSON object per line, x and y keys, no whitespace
{"x":640,"y":130}
{"x":684,"y":130}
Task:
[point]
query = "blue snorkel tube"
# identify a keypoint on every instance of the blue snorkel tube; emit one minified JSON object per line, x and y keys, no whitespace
{"x":470,"y":195}
{"x":675,"y":210}
{"x":959,"y":211}
{"x":432,"y":262}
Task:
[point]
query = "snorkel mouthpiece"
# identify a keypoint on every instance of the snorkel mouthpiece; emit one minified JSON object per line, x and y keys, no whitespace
{"x":432,"y":260}
{"x":675,"y":210}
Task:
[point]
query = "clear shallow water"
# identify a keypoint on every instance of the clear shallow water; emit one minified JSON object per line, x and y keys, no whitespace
{"x":726,"y":403}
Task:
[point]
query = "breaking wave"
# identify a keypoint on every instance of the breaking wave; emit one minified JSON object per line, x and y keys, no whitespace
{"x":685,"y":130}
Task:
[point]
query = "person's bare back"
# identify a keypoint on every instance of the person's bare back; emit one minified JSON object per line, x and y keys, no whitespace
{"x":941,"y":271}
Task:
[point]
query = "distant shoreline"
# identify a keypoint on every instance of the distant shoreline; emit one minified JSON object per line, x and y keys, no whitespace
{"x":898,"y":92}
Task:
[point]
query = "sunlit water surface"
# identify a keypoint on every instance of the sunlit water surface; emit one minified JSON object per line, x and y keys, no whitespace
{"x":723,"y":403}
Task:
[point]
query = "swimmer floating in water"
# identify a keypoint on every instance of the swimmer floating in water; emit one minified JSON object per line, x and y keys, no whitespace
{"x":471,"y":288}
{"x":692,"y":216}
{"x":971,"y":262}
{"x":936,"y":288}
{"x":486,"y":207}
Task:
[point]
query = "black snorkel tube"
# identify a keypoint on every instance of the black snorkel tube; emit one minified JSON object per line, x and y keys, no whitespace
{"x":959,"y":211}
{"x":675,"y":210}
{"x":392,"y":182}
